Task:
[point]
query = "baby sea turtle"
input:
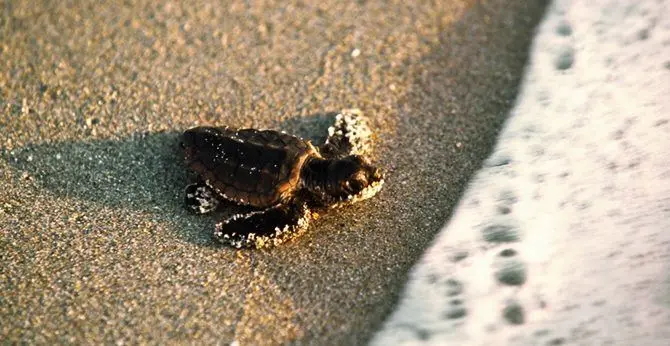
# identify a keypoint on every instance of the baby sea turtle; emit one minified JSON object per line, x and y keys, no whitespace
{"x":285,"y":177}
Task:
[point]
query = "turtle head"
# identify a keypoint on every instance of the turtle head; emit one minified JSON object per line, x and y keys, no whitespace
{"x":353,"y":178}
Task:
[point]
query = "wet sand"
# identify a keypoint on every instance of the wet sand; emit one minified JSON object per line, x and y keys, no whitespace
{"x":96,"y":245}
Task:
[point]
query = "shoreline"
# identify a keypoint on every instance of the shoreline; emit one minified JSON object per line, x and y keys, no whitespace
{"x":97,"y":244}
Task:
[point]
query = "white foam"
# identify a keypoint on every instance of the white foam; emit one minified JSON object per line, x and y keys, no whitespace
{"x":576,"y":194}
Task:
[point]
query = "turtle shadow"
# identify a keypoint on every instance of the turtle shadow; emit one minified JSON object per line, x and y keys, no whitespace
{"x":143,"y":172}
{"x":140,"y":171}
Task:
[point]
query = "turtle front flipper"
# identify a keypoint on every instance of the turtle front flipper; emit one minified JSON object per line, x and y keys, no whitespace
{"x":269,"y":227}
{"x":350,"y":135}
{"x":200,"y":199}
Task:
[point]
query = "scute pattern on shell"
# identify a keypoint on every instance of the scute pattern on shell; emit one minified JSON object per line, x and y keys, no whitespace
{"x":253,"y":167}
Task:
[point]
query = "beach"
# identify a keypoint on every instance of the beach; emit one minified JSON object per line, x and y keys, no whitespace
{"x":96,"y":244}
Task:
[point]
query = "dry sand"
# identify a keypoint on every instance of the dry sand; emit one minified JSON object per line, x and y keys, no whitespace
{"x":95,"y":244}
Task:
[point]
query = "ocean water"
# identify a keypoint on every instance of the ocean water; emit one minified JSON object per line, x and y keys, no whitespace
{"x":563,"y":236}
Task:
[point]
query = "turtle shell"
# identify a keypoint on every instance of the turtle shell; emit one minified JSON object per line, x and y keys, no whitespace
{"x":255,"y":167}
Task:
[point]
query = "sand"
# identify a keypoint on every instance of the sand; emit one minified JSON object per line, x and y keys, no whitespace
{"x":562,"y":236}
{"x":95,"y":243}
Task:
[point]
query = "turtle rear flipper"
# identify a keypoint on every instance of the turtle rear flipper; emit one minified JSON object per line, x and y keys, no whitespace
{"x":200,"y":199}
{"x":350,"y":135}
{"x":269,"y":227}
